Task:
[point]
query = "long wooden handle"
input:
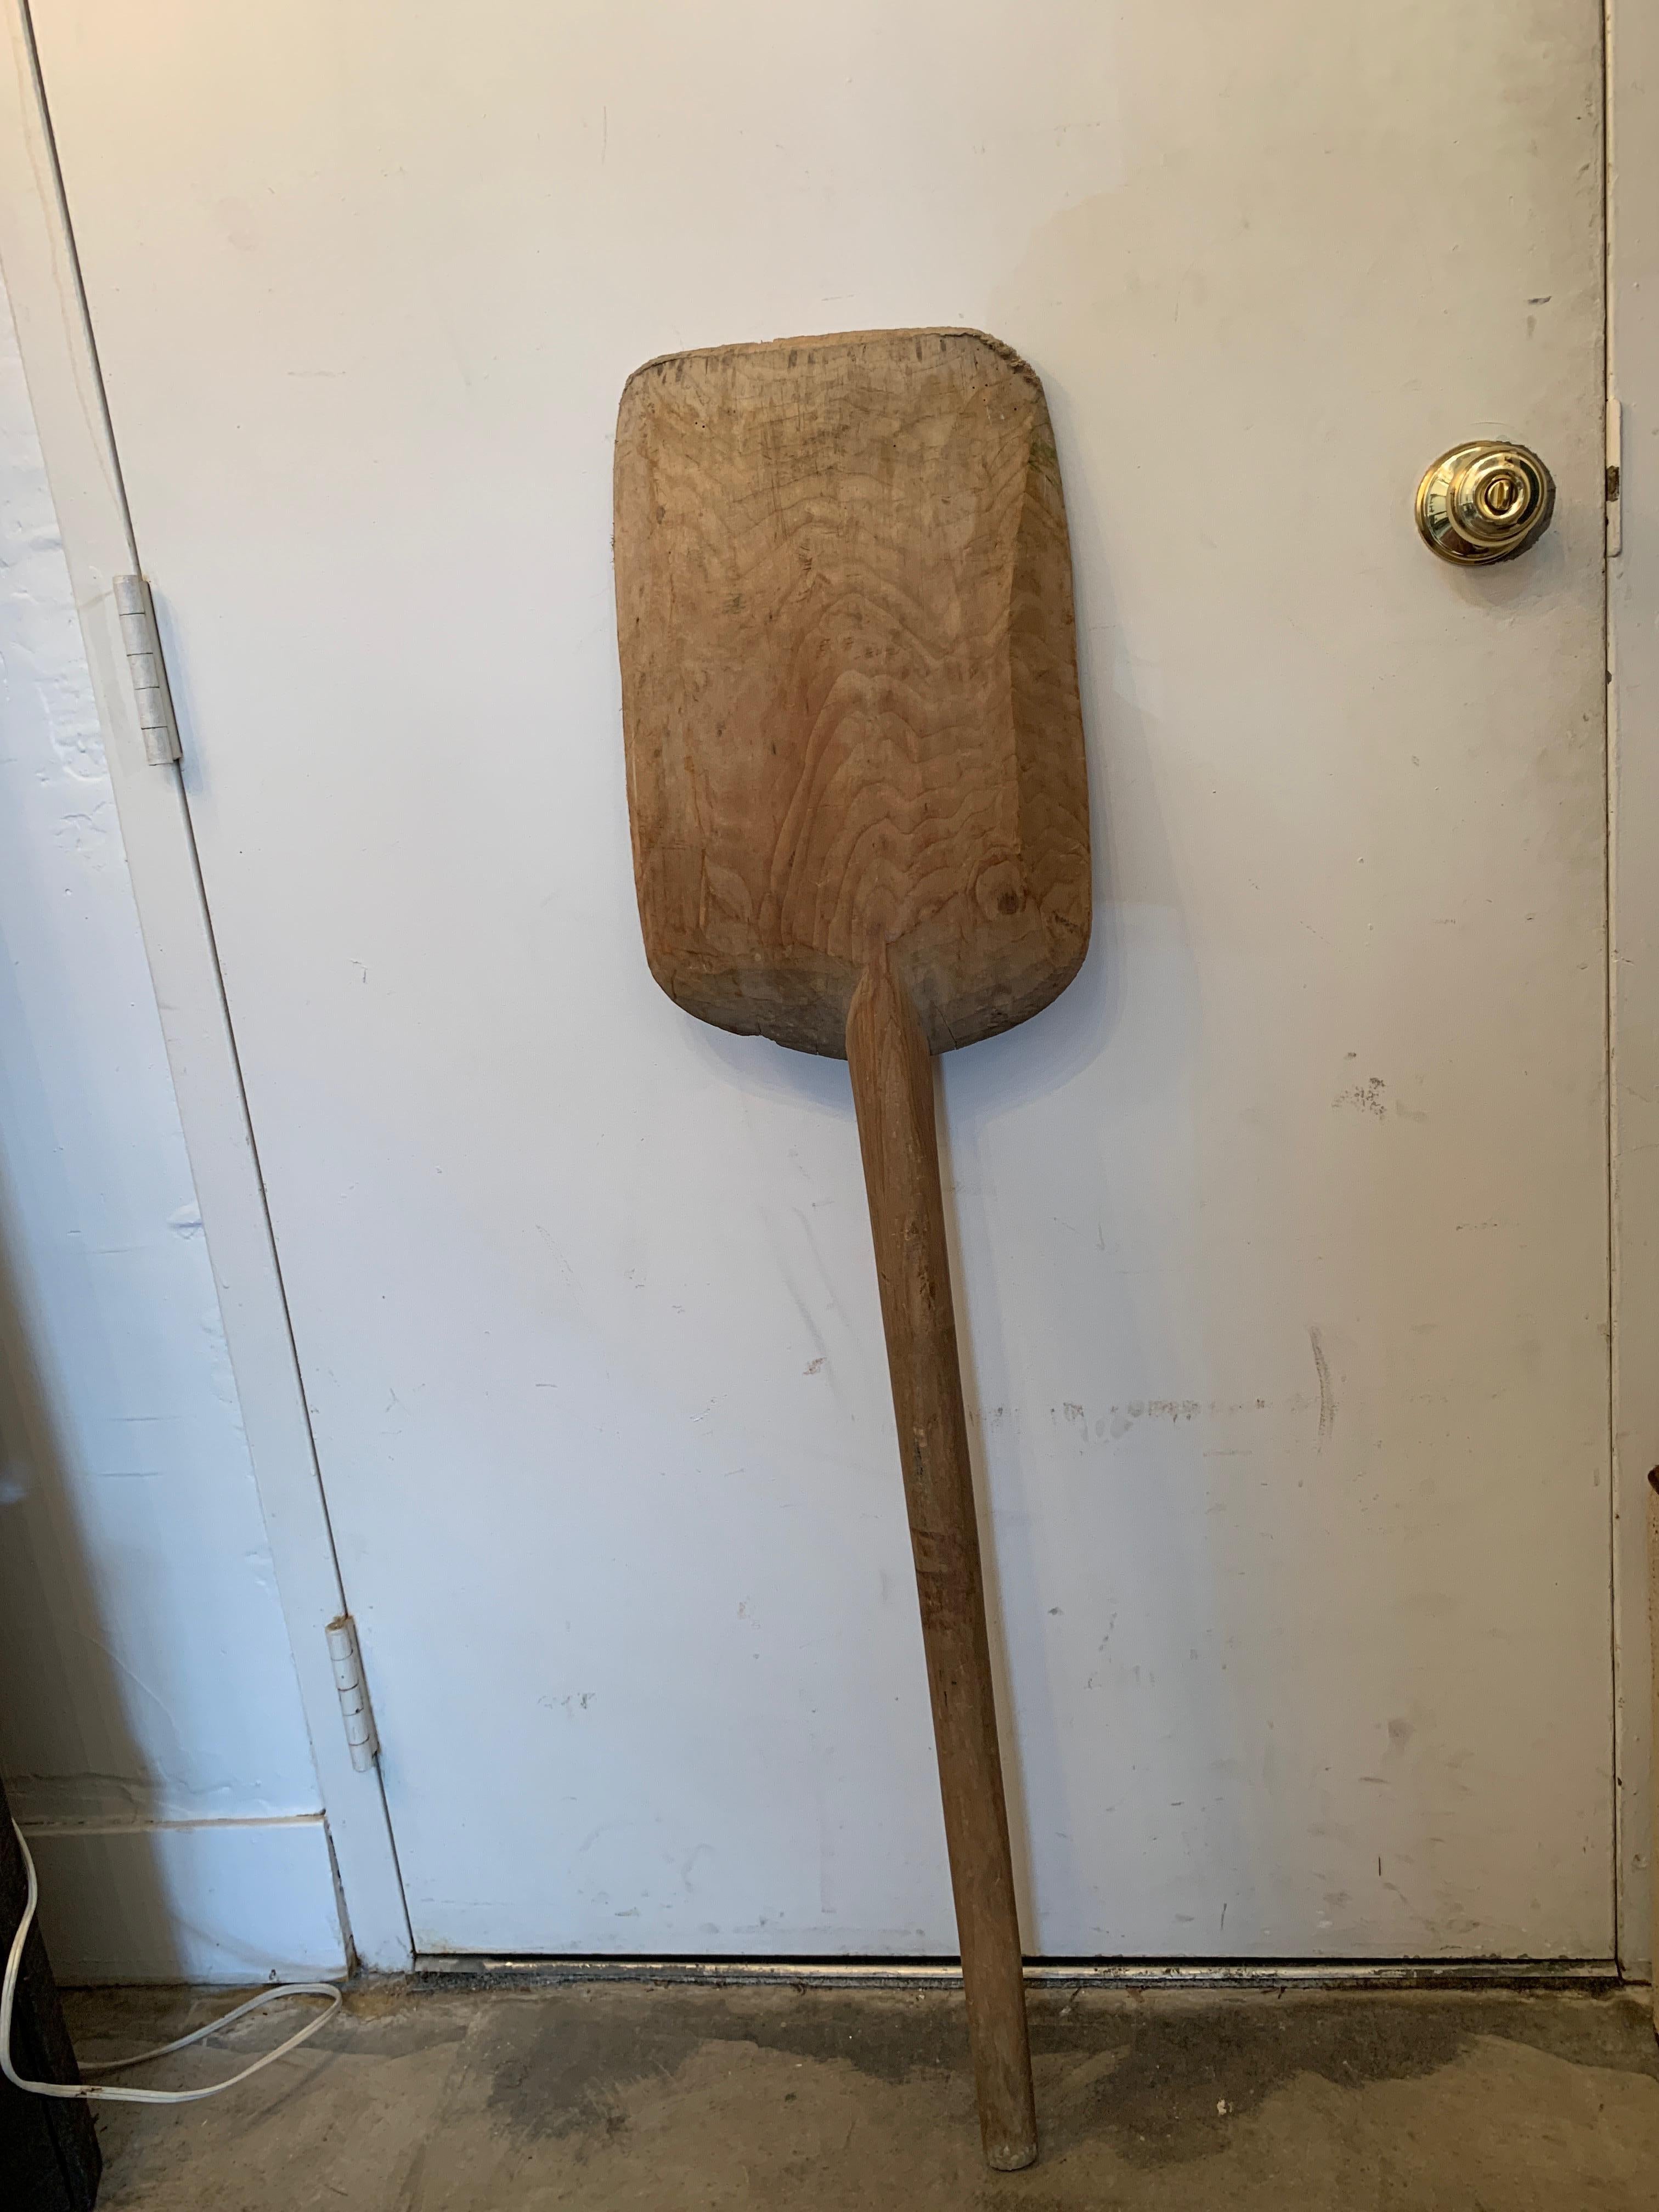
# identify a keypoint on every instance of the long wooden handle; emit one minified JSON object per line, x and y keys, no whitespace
{"x":893,"y":1090}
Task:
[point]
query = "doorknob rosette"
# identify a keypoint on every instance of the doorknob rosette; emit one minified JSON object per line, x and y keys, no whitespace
{"x":1484,"y":501}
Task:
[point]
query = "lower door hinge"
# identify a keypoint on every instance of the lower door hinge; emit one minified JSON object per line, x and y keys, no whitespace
{"x":354,"y":1692}
{"x":139,"y":634}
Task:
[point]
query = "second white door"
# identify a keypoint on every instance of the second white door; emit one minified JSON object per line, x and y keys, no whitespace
{"x":1283,"y":1249}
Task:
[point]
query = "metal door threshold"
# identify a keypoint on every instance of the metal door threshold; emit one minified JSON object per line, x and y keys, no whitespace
{"x":1586,"y":1974}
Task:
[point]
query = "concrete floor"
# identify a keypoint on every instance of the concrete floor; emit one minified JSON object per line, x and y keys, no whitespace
{"x":673,"y":2100}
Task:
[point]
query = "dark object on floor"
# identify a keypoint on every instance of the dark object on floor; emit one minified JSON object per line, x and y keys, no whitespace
{"x":49,"y":2156}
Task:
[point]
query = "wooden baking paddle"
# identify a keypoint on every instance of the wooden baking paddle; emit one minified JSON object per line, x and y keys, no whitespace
{"x":855,"y":776}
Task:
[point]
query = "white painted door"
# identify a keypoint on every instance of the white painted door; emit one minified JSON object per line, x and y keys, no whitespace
{"x":1282,"y":1236}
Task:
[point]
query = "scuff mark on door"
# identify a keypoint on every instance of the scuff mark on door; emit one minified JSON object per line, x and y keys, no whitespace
{"x":1327,"y":1395}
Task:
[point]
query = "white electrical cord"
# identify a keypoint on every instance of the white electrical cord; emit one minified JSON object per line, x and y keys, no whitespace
{"x":8,"y":1993}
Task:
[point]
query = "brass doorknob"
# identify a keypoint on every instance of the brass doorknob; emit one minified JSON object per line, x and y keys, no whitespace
{"x":1484,"y":501}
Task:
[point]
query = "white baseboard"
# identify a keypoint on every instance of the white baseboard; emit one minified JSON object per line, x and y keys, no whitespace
{"x":198,"y":1901}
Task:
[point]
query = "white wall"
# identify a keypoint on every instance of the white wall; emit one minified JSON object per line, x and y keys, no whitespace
{"x":151,"y":1734}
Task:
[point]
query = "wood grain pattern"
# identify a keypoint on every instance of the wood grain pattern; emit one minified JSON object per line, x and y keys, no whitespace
{"x":849,"y":688}
{"x":893,"y":1090}
{"x":856,"y":784}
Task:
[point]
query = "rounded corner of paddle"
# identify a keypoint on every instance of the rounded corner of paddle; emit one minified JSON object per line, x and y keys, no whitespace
{"x":849,"y":683}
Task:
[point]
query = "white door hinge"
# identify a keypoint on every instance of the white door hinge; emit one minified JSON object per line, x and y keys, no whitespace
{"x":1615,"y":477}
{"x":137,"y":609}
{"x":354,"y":1692}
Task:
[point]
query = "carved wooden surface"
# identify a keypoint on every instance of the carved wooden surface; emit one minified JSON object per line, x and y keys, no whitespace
{"x":849,"y":690}
{"x":860,"y":826}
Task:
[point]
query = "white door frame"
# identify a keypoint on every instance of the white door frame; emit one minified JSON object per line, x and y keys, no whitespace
{"x":64,"y":386}
{"x":1633,"y":917}
{"x":38,"y":257}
